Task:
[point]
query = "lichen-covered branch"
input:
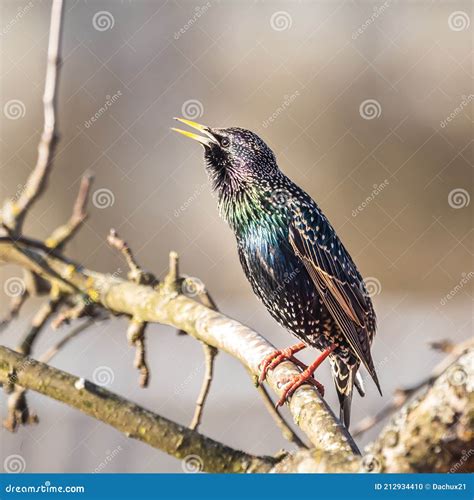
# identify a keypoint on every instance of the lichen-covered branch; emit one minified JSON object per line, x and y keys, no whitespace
{"x":127,"y":417}
{"x":435,"y":431}
{"x":165,"y":305}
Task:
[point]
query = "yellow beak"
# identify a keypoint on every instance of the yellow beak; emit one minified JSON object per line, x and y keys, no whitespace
{"x":206,"y":141}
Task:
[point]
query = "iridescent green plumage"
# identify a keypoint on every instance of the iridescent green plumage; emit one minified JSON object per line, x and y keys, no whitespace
{"x":292,"y":256}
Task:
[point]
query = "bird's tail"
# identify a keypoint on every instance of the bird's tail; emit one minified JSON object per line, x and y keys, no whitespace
{"x":344,"y":378}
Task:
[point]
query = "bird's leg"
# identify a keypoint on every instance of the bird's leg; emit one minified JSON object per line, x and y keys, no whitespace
{"x":276,"y":357}
{"x":306,"y":376}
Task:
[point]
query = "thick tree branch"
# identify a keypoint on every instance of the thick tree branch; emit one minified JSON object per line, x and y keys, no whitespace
{"x":135,"y":421}
{"x":166,"y":306}
{"x":434,"y":432}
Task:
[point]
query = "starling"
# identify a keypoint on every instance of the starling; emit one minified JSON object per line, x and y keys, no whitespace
{"x":293,"y":259}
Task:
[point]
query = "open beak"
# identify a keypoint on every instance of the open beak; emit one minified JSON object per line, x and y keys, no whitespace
{"x":205,"y":140}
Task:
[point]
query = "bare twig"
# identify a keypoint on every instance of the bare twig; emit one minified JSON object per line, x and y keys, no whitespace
{"x":136,"y":274}
{"x":136,"y":337}
{"x":14,"y":212}
{"x":209,"y":355}
{"x":14,"y":309}
{"x":37,"y":324}
{"x":60,"y":236}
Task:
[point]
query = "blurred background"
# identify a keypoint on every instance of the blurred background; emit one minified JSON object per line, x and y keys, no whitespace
{"x":367,"y":105}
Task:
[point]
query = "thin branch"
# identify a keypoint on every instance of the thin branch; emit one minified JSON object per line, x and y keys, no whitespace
{"x":14,"y":213}
{"x":209,"y":355}
{"x":37,"y":324}
{"x":63,"y":234}
{"x":136,"y":337}
{"x":136,"y":274}
{"x":134,"y":420}
{"x":14,"y":308}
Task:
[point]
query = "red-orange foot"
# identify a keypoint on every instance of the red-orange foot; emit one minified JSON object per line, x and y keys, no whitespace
{"x":306,"y":377}
{"x":276,"y":357}
{"x":297,"y":381}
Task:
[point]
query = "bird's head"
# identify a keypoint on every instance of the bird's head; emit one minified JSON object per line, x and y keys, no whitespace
{"x":238,"y":161}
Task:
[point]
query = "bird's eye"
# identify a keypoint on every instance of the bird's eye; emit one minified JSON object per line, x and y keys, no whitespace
{"x":225,"y":142}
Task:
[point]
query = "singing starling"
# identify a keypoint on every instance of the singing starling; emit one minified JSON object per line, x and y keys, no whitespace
{"x":293,"y":258}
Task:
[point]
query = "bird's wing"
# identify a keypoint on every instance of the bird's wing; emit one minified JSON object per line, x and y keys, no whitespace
{"x":335,"y":276}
